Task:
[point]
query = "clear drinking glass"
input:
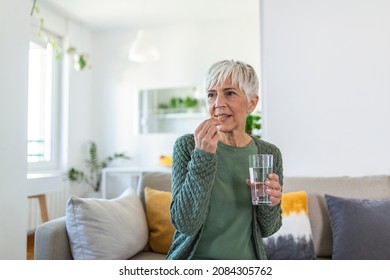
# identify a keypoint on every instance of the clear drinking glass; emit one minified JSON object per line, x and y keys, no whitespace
{"x":260,"y":165}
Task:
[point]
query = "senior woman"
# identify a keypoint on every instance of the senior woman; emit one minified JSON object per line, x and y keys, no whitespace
{"x":211,"y":207}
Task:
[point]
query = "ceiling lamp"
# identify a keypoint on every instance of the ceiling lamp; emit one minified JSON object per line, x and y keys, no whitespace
{"x":143,"y":49}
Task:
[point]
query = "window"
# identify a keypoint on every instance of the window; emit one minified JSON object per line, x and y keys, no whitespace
{"x":43,"y":107}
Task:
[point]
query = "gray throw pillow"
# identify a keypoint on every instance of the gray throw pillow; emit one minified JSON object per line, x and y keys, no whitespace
{"x":106,"y":229}
{"x":360,"y":228}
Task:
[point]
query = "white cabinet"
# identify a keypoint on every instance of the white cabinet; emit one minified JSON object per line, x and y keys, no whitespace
{"x":169,"y":110}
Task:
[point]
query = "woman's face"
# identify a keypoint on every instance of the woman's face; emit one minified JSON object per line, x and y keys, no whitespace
{"x":231,"y":105}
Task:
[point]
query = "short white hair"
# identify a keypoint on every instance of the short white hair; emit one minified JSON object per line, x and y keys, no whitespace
{"x":241,"y":74}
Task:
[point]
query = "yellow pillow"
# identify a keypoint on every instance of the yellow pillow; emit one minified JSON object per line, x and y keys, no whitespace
{"x":158,"y":215}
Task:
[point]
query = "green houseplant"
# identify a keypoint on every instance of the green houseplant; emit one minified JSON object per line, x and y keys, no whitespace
{"x":190,"y":102}
{"x":93,"y":174}
{"x":253,"y":122}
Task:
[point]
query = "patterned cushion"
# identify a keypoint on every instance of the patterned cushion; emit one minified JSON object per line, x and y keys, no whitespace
{"x":294,"y":238}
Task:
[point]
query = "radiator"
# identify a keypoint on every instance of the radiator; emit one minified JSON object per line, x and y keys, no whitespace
{"x":56,"y":205}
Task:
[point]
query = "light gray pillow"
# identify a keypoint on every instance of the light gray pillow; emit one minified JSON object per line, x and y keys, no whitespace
{"x":360,"y":228}
{"x":103,"y":229}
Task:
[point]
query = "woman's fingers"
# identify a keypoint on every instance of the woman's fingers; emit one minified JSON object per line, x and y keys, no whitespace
{"x":274,"y":188}
{"x":206,"y":135}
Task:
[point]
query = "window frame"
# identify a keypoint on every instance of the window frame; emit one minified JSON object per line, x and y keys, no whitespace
{"x":55,"y":130}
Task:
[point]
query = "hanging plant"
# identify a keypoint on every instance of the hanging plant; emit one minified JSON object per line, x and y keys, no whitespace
{"x":80,"y":60}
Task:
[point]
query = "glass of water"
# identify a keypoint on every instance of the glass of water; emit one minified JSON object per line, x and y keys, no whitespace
{"x":260,"y":165}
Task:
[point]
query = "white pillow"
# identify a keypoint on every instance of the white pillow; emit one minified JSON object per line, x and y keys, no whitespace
{"x":103,"y":229}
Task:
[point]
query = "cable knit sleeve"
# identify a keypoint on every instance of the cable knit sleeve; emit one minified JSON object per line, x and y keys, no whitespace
{"x":193,"y":175}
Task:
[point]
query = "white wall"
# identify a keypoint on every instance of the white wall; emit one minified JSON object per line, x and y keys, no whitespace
{"x":80,"y":102}
{"x":326,"y":83}
{"x":14,"y":38}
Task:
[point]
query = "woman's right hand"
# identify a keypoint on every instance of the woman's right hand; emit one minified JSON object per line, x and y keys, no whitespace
{"x":206,"y":135}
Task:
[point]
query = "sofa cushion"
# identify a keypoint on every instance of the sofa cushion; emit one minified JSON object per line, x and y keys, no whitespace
{"x":148,"y":255}
{"x":294,"y":239}
{"x":158,"y":180}
{"x":373,"y":187}
{"x":106,"y":229}
{"x":360,"y":228}
{"x":161,"y":230}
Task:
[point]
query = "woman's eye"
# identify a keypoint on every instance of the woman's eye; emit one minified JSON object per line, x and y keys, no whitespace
{"x":230,"y":93}
{"x":210,"y":95}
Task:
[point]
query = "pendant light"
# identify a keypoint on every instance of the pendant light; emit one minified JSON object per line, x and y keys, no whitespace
{"x":143,"y":49}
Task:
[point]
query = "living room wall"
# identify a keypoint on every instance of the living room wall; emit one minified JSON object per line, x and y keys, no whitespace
{"x":326,"y":84}
{"x":14,"y":36}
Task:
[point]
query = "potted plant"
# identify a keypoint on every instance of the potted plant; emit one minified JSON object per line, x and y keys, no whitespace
{"x":93,"y":174}
{"x":253,"y":122}
{"x":190,"y":103}
{"x":176,"y":103}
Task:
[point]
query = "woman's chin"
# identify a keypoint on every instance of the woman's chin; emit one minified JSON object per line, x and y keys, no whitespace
{"x":223,"y":129}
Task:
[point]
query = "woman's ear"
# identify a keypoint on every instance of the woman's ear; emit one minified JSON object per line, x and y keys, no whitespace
{"x":252,"y":104}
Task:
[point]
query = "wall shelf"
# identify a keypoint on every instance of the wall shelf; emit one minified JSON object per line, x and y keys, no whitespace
{"x":158,"y":114}
{"x":183,"y":115}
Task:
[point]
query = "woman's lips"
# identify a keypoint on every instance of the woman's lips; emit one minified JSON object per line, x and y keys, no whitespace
{"x":222,"y":117}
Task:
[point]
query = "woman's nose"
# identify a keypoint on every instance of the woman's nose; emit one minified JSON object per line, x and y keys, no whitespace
{"x":220,"y":101}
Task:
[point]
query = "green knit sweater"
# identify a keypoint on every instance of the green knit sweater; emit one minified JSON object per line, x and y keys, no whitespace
{"x":193,"y":175}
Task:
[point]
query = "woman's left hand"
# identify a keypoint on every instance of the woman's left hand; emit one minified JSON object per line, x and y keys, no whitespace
{"x":274,"y":188}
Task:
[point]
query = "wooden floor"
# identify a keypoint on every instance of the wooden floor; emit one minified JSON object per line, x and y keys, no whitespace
{"x":30,"y":246}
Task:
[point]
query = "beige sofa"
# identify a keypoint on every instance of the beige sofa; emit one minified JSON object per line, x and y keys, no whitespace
{"x":52,"y":242}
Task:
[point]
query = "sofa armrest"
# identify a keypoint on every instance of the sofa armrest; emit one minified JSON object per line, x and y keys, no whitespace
{"x":51,"y":241}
